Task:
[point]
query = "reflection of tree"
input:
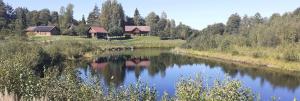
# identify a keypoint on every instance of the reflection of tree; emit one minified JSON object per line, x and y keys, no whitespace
{"x":275,"y":78}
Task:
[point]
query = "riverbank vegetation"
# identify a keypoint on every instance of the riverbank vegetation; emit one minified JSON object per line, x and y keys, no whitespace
{"x":273,"y":41}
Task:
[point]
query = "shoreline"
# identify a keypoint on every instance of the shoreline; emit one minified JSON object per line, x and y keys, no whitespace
{"x":244,"y":61}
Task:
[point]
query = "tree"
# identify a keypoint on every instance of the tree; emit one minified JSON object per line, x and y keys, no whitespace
{"x":82,"y":28}
{"x":137,"y":18}
{"x":164,"y":15}
{"x":152,"y":20}
{"x":2,"y":14}
{"x":162,"y":24}
{"x":69,"y":15}
{"x":62,"y":18}
{"x":184,"y":31}
{"x":233,"y":24}
{"x":83,"y":20}
{"x":258,"y":19}
{"x":129,"y":21}
{"x":21,"y":20}
{"x":54,"y":18}
{"x":215,"y":29}
{"x":67,"y":21}
{"x":93,"y":18}
{"x":115,"y":31}
{"x":112,"y":15}
{"x":44,"y":17}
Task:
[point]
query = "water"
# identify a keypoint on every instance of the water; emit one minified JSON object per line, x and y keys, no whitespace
{"x":162,"y":70}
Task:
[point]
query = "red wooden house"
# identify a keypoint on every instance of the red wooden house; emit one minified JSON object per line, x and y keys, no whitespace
{"x":137,"y":30}
{"x":97,"y":32}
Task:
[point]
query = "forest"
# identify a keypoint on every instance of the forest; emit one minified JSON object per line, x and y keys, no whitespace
{"x":277,"y":36}
{"x":14,"y":21}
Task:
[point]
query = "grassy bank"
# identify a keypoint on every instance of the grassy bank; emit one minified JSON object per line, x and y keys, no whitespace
{"x":246,"y":57}
{"x":136,"y":42}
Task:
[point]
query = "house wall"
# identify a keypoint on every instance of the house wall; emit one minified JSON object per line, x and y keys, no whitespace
{"x":55,"y":31}
{"x":42,"y":33}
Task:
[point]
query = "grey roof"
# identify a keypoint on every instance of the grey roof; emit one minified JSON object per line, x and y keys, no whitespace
{"x":41,"y":28}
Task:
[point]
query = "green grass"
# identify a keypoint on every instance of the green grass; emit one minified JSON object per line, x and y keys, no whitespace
{"x":137,"y":42}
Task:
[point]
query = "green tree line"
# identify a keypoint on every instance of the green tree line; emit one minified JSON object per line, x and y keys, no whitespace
{"x":279,"y":32}
{"x":14,"y":21}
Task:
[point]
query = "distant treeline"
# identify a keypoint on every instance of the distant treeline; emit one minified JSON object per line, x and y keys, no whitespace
{"x":280,"y":32}
{"x":253,"y":31}
{"x":13,"y":21}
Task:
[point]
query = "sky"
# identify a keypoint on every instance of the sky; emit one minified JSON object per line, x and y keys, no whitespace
{"x":195,"y":13}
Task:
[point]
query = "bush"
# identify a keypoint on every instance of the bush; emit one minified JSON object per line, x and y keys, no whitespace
{"x":235,"y":53}
{"x":227,"y":90}
{"x":291,"y":56}
{"x":70,"y":49}
{"x":258,"y":54}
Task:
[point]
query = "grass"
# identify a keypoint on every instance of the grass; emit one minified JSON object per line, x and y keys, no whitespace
{"x":262,"y":57}
{"x":136,"y":42}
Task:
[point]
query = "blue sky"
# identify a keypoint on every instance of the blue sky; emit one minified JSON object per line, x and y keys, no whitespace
{"x":195,"y":13}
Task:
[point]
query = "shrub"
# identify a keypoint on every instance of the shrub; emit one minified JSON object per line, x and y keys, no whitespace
{"x":291,"y":55}
{"x":227,"y":90}
{"x":258,"y":54}
{"x":235,"y":52}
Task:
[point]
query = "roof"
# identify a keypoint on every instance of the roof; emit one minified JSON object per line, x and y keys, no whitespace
{"x":95,"y":29}
{"x":40,"y":28}
{"x":141,"y":28}
{"x":30,"y":29}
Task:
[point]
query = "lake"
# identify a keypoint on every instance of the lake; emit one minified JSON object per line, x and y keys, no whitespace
{"x":161,"y":69}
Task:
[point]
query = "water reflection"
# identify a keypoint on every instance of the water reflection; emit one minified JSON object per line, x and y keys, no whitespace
{"x":119,"y":69}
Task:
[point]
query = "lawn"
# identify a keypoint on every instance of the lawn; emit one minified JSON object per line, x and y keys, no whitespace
{"x":136,"y":42}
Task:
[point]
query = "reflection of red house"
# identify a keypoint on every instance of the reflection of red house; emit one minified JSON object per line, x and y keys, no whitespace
{"x":137,"y":63}
{"x":99,"y":66}
{"x":137,"y":30}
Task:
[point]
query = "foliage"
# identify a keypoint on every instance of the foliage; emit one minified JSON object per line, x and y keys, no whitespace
{"x":233,"y":24}
{"x":112,"y":15}
{"x":137,"y":18}
{"x":116,"y":31}
{"x":262,"y":37}
{"x":227,"y":90}
{"x":93,"y":18}
{"x":291,"y":55}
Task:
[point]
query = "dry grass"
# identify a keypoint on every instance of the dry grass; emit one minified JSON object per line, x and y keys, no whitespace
{"x":12,"y":97}
{"x":137,"y":42}
{"x":244,"y":58}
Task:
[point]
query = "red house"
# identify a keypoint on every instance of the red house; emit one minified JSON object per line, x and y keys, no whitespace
{"x":97,"y":32}
{"x":137,"y":30}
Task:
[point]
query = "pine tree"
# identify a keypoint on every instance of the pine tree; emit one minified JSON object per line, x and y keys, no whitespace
{"x":93,"y":18}
{"x":137,"y":18}
{"x":82,"y":28}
